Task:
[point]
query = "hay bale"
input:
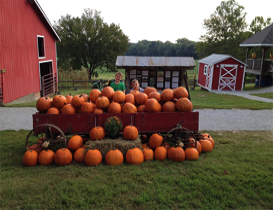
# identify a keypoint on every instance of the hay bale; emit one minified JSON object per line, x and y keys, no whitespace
{"x":107,"y":144}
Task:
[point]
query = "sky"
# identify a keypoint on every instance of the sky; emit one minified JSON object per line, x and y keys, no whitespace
{"x":159,"y":20}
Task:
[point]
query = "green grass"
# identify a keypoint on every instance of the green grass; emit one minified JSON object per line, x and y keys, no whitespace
{"x":237,"y":174}
{"x":264,"y":95}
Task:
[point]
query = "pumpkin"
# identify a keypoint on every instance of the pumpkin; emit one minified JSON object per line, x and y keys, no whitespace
{"x":167,"y":146}
{"x":169,"y":106}
{"x":129,"y":108}
{"x":97,"y":133}
{"x":75,"y":142}
{"x":206,"y":145}
{"x":130,"y":98}
{"x":98,"y":111}
{"x":253,"y":55}
{"x":149,"y":90}
{"x":134,"y":156}
{"x":68,"y":109}
{"x":30,"y":158}
{"x":87,"y":107}
{"x":108,"y":92}
{"x":141,"y":108}
{"x":94,"y":94}
{"x":155,"y":141}
{"x":161,"y":153}
{"x":181,"y":92}
{"x":155,"y":95}
{"x":77,"y":100}
{"x":141,"y":98}
{"x":119,"y":96}
{"x":69,"y":98}
{"x":114,"y":157}
{"x":211,"y":141}
{"x":63,"y":157}
{"x":102,"y":102}
{"x":167,"y":95}
{"x":46,"y":157}
{"x":59,"y":101}
{"x":53,"y":110}
{"x":205,"y":135}
{"x":148,"y":154}
{"x":85,"y":97}
{"x":93,"y":157}
{"x":43,"y":104}
{"x":36,"y":147}
{"x":130,"y":132}
{"x":191,"y":142}
{"x":184,"y":105}
{"x":151,"y":105}
{"x":114,"y":107}
{"x":176,"y":154}
{"x":145,"y":146}
{"x":134,"y":93}
{"x":79,"y":155}
{"x":199,"y":147}
{"x":191,"y":154}
{"x":159,"y":108}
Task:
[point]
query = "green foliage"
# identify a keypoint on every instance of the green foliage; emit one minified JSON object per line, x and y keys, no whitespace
{"x":89,"y":42}
{"x":259,"y":24}
{"x":113,"y":125}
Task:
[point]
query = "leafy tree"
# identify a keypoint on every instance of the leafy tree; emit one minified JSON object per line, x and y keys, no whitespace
{"x":89,"y":42}
{"x":259,"y":24}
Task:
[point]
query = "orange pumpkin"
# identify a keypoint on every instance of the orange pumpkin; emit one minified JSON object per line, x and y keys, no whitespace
{"x":69,"y":98}
{"x":30,"y":158}
{"x":181,"y":92}
{"x":191,"y":154}
{"x":134,"y":156}
{"x":43,"y":104}
{"x":114,"y":107}
{"x":148,"y":154}
{"x":129,"y":108}
{"x":167,"y":146}
{"x":87,"y":107}
{"x":102,"y":102}
{"x":151,"y":105}
{"x":98,"y":111}
{"x":97,"y":133}
{"x":68,"y":109}
{"x":169,"y":106}
{"x":141,"y":108}
{"x":149,"y":90}
{"x":53,"y":110}
{"x":141,"y":98}
{"x":159,"y":108}
{"x":63,"y":157}
{"x":36,"y":147}
{"x":176,"y":154}
{"x":114,"y":157}
{"x":130,"y":98}
{"x":134,"y":93}
{"x":93,"y":157}
{"x":167,"y":95}
{"x":94,"y":94}
{"x":77,"y":100}
{"x":119,"y":96}
{"x":59,"y":101}
{"x":211,"y":141}
{"x":79,"y":155}
{"x":145,"y":146}
{"x":184,"y":105}
{"x":75,"y":142}
{"x":206,"y":145}
{"x":155,"y":95}
{"x":155,"y":141}
{"x":130,"y":132}
{"x":108,"y":92}
{"x":46,"y":157}
{"x":85,"y":97}
{"x":161,"y":153}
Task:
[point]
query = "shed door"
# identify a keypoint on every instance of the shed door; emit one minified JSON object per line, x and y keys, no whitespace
{"x":209,"y":77}
{"x":227,"y":77}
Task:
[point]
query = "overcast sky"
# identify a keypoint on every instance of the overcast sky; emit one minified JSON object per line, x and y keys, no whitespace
{"x":166,"y":20}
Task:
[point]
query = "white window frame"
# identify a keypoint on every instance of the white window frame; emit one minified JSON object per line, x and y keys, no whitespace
{"x":205,"y":69}
{"x":41,"y":57}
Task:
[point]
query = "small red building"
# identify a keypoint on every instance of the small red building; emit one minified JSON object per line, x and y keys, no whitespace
{"x":219,"y":72}
{"x":28,"y":60}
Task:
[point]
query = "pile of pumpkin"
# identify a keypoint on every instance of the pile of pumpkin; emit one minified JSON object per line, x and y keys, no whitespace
{"x":155,"y":149}
{"x":110,"y":101}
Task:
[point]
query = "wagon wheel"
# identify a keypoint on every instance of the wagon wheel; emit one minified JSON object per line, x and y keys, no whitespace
{"x":45,"y":135}
{"x":180,"y":134}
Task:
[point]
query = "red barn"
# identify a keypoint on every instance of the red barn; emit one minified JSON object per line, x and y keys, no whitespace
{"x":28,"y":62}
{"x":219,"y":72}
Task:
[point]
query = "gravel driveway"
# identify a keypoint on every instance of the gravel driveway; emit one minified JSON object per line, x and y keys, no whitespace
{"x":209,"y":119}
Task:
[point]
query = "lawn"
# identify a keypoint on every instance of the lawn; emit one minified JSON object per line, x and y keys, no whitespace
{"x":264,"y":95}
{"x":237,"y":174}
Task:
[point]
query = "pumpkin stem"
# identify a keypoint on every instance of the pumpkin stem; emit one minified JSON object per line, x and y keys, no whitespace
{"x":63,"y":149}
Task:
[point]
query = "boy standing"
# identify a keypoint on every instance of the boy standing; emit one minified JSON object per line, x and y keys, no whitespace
{"x":135,"y":85}
{"x":118,"y":85}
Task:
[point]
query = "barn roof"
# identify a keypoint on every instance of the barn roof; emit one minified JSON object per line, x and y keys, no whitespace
{"x":216,"y":58}
{"x":136,"y":61}
{"x":44,"y":15}
{"x":264,"y":38}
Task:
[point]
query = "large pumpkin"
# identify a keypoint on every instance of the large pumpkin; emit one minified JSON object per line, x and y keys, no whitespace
{"x":79,"y":155}
{"x":114,"y":157}
{"x":169,"y":106}
{"x":102,"y":102}
{"x":119,"y":96}
{"x":160,"y":153}
{"x":206,"y":145}
{"x":167,"y":95}
{"x":97,"y":133}
{"x":59,"y":101}
{"x":129,"y":108}
{"x":94,"y":94}
{"x":130,"y":132}
{"x":108,"y":92}
{"x":184,"y":105}
{"x":134,"y":156}
{"x":176,"y":154}
{"x":141,"y":98}
{"x":114,"y":107}
{"x":181,"y":92}
{"x":87,"y":107}
{"x":211,"y":141}
{"x":75,"y":142}
{"x":46,"y":157}
{"x":30,"y":158}
{"x":130,"y":98}
{"x":191,"y":154}
{"x":93,"y":157}
{"x":151,"y":105}
{"x":53,"y":110}
{"x":77,"y":100}
{"x":63,"y":157}
{"x":155,"y":141}
{"x":43,"y":104}
{"x":155,"y":95}
{"x":148,"y":154}
{"x":149,"y":90}
{"x":68,"y":109}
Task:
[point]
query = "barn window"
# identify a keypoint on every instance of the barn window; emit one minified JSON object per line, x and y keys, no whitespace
{"x":205,"y":69}
{"x":41,"y":46}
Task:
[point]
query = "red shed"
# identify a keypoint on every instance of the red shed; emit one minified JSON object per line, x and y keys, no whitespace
{"x":28,"y":62}
{"x":220,"y":72}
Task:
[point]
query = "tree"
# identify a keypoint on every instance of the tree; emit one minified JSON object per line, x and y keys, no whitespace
{"x":89,"y":42}
{"x":225,"y":29}
{"x":259,"y":24}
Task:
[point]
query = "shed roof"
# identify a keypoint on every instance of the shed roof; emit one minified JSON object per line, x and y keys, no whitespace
{"x":216,"y":58}
{"x":263,"y":38}
{"x":44,"y":15}
{"x":136,"y":61}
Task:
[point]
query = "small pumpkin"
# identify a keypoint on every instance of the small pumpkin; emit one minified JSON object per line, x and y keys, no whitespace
{"x":151,"y":105}
{"x":211,"y":141}
{"x":69,"y":98}
{"x":75,"y":142}
{"x":161,"y":153}
{"x":134,"y":156}
{"x":167,"y":95}
{"x":169,"y":106}
{"x":145,"y":146}
{"x":53,"y":110}
{"x":130,"y":98}
{"x":98,"y":111}
{"x":102,"y":102}
{"x":141,"y":98}
{"x":68,"y":109}
{"x":77,"y":100}
{"x":119,"y":96}
{"x":85,"y":97}
{"x":167,"y":146}
{"x":129,"y":108}
{"x":94,"y":94}
{"x":181,"y":92}
{"x":93,"y":157}
{"x":108,"y":92}
{"x":130,"y":132}
{"x":59,"y":101}
{"x":148,"y":90}
{"x":114,"y":107}
{"x":97,"y":133}
{"x":134,"y":93}
{"x":114,"y":157}
{"x":30,"y":158}
{"x":63,"y":157}
{"x":79,"y":155}
{"x":43,"y":104}
{"x":155,"y":95}
{"x":206,"y":145}
{"x":36,"y":147}
{"x":148,"y":154}
{"x":176,"y":154}
{"x":155,"y":140}
{"x":46,"y":157}
{"x":141,"y":108}
{"x":199,"y":147}
{"x":184,"y":105}
{"x":191,"y":154}
{"x":87,"y":107}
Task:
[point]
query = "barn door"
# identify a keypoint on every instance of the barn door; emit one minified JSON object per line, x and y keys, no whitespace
{"x":209,"y":77}
{"x":227,"y":77}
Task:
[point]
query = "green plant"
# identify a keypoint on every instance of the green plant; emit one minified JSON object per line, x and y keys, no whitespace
{"x":113,"y":125}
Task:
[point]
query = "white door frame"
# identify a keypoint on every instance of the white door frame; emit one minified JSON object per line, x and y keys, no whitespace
{"x":209,"y":77}
{"x":227,"y":79}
